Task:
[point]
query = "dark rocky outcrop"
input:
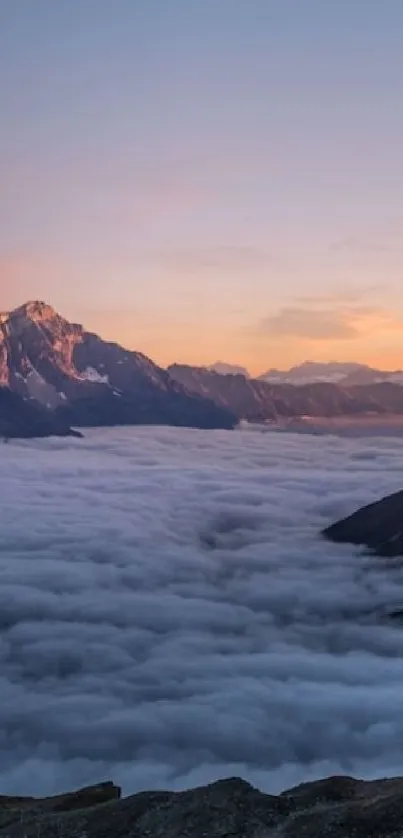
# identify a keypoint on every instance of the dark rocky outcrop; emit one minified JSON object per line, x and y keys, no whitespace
{"x":378,"y":526}
{"x":337,"y":807}
{"x":84,"y":798}
{"x":88,"y":381}
{"x":108,"y":410}
{"x":26,"y":419}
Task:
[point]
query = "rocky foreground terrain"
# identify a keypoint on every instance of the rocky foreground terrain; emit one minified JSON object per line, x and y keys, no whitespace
{"x":337,"y":807}
{"x":378,"y":526}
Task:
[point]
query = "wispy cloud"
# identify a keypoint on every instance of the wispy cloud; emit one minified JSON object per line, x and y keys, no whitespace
{"x":317,"y":323}
{"x":313,"y":324}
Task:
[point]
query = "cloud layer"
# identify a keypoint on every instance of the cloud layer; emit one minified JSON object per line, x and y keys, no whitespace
{"x":169,"y":614}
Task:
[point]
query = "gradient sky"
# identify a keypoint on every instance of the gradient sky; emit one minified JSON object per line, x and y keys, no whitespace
{"x":207,"y":179}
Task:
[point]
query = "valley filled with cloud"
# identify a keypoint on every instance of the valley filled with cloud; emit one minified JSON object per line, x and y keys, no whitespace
{"x":169,"y":613}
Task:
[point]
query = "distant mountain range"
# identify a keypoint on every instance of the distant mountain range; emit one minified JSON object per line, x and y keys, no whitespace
{"x":256,"y":400}
{"x":56,"y":376}
{"x":334,"y":372}
{"x":228,"y":369}
{"x":312,"y":372}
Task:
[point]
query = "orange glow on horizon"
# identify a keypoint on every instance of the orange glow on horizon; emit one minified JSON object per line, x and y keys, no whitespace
{"x":198,"y":346}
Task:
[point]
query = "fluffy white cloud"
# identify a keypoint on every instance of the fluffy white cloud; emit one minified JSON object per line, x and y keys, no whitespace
{"x":169,"y":614}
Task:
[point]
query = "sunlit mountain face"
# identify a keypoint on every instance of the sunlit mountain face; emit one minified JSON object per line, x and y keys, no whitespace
{"x":88,"y":381}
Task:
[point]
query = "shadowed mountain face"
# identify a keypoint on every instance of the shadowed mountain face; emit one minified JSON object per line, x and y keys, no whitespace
{"x":258,"y":401}
{"x":338,"y":807}
{"x":26,"y":419}
{"x":88,"y":381}
{"x":378,"y":526}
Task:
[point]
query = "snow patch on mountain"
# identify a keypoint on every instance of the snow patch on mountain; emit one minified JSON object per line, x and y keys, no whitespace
{"x":222,"y":368}
{"x":91,"y":374}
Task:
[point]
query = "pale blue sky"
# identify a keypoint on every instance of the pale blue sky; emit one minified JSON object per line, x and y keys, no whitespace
{"x":207,"y":178}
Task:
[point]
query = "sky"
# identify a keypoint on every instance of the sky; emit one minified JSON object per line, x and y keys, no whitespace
{"x":207,"y":180}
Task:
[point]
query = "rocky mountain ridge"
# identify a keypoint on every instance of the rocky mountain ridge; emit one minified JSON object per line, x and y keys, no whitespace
{"x":86,"y":381}
{"x":80,"y":380}
{"x":315,"y":372}
{"x":229,"y":369}
{"x":337,"y":807}
{"x":347,"y":374}
{"x":254,"y":400}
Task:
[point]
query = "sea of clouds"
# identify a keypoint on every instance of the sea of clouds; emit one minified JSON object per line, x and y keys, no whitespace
{"x":169,"y":613}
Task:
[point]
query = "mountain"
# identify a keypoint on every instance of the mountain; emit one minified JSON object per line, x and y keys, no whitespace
{"x":67,"y":377}
{"x":249,"y":399}
{"x":87,"y":381}
{"x":23,"y":419}
{"x":254,"y":400}
{"x":337,"y":807}
{"x":335,"y":372}
{"x":228,"y":369}
{"x":310,"y":372}
{"x":377,"y":526}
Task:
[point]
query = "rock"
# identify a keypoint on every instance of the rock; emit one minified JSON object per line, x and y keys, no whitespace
{"x":260,"y":401}
{"x":378,"y":526}
{"x":337,"y":807}
{"x":87,"y":381}
{"x":82,"y":799}
{"x":20,"y":418}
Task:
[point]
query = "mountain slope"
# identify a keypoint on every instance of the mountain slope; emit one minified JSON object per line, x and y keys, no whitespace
{"x":378,"y":526}
{"x":259,"y":401}
{"x":88,"y":381}
{"x":248,"y":398}
{"x":26,"y":419}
